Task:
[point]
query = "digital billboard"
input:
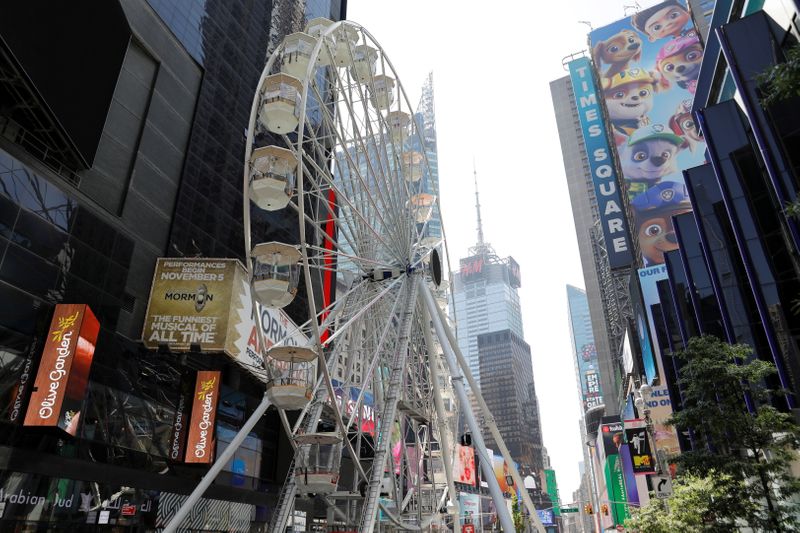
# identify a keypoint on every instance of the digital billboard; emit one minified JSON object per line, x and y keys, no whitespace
{"x":366,"y":416}
{"x":464,"y":465}
{"x":648,"y":284}
{"x":610,"y":440}
{"x":660,"y":405}
{"x":60,"y":385}
{"x":585,"y":355}
{"x":470,"y":508}
{"x":642,"y":460}
{"x":601,"y":165}
{"x":648,"y":66}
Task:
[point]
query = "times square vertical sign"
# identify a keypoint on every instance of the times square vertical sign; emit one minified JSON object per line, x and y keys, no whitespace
{"x":604,"y":176}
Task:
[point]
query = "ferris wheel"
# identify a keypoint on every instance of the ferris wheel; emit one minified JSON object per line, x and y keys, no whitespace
{"x":333,"y":141}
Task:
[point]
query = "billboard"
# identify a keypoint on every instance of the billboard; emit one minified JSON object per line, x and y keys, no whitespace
{"x":200,"y":443}
{"x":642,"y":326}
{"x":648,"y":66}
{"x":642,"y":460}
{"x":551,"y":486}
{"x":660,"y":405}
{"x":586,"y":361}
{"x":207,"y":303}
{"x":63,"y":375}
{"x":366,"y":416}
{"x":471,"y":266}
{"x":180,"y":425}
{"x":601,"y":165}
{"x":464,"y":465}
{"x":648,"y":283}
{"x":190,"y":304}
{"x":469,"y":508}
{"x":610,"y":440}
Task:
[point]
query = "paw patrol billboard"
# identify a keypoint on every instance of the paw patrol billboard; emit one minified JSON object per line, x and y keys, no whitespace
{"x":647,"y":65}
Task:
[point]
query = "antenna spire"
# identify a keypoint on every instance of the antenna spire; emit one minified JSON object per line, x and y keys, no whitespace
{"x":481,"y":243}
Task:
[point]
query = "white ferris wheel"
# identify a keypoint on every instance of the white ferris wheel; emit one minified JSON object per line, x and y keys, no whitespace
{"x":333,"y":140}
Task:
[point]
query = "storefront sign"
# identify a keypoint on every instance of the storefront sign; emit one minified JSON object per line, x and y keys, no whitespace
{"x":180,"y":424}
{"x":63,"y":375}
{"x":23,"y":383}
{"x":200,"y":447}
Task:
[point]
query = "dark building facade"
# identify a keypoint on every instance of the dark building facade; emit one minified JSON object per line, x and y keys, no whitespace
{"x":737,"y":271}
{"x":121,"y":141}
{"x":508,"y":389}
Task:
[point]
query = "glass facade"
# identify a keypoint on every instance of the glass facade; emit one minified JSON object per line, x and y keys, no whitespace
{"x":587,"y":368}
{"x":484,"y":302}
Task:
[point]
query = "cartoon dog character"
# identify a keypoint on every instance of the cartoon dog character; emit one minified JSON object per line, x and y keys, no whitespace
{"x":649,"y":155}
{"x":653,"y":211}
{"x":618,"y":51}
{"x":629,"y":98}
{"x":682,"y":124}
{"x":679,"y":62}
{"x":666,"y":19}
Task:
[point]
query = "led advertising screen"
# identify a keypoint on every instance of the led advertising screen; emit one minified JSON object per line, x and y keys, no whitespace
{"x":585,"y":355}
{"x":642,"y":460}
{"x":464,"y":465}
{"x":648,"y":283}
{"x":601,"y":165}
{"x":367,"y":410}
{"x":648,"y":66}
{"x":60,"y":385}
{"x":470,"y":508}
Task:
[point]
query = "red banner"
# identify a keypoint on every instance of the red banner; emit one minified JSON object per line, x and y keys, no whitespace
{"x":63,"y":375}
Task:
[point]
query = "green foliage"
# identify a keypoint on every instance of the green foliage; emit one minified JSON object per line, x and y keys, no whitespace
{"x":753,"y":449}
{"x":516,"y":515}
{"x":707,"y":503}
{"x":782,"y":81}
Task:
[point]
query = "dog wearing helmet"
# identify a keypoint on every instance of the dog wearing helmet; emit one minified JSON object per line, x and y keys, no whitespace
{"x":629,"y":98}
{"x":653,"y":211}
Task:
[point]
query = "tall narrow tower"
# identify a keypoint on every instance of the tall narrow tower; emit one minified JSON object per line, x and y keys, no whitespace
{"x":489,"y":330}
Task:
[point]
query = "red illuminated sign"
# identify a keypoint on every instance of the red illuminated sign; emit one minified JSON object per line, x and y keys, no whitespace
{"x":200,"y":447}
{"x":63,"y":374}
{"x":471,"y":266}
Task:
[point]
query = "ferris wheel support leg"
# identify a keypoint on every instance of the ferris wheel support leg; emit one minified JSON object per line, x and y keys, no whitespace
{"x":441,"y":417}
{"x":462,"y":362}
{"x":370,"y":509}
{"x":458,"y":384}
{"x":218,"y":465}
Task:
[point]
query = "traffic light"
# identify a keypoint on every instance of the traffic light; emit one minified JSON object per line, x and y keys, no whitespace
{"x":588,"y":509}
{"x":604,"y":509}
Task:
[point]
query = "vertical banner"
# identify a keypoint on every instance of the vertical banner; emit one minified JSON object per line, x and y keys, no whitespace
{"x":60,"y":385}
{"x":642,"y":459}
{"x":584,"y":347}
{"x":601,"y":165}
{"x":200,"y":446}
{"x":648,"y":279}
{"x":660,"y":406}
{"x":631,"y":490}
{"x":648,"y":66}
{"x":180,"y":424}
{"x":610,"y":440}
{"x":470,"y":508}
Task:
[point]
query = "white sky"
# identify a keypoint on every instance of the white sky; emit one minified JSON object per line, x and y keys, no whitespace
{"x":492,"y":62}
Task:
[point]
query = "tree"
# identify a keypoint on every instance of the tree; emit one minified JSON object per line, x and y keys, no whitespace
{"x":516,"y":514}
{"x":754,"y":446}
{"x":782,"y":81}
{"x":698,"y":503}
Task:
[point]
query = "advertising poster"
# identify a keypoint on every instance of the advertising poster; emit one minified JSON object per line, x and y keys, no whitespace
{"x":207,"y":303}
{"x":616,"y":490}
{"x":366,"y":415}
{"x":63,"y":375}
{"x":190,"y":304}
{"x":546,"y":516}
{"x":503,"y":475}
{"x":642,"y":326}
{"x":648,"y":66}
{"x":601,"y":164}
{"x":551,"y":486}
{"x":642,"y":460}
{"x":648,"y":283}
{"x":464,"y":465}
{"x":469,"y":508}
{"x":660,"y":407}
{"x":200,"y":443}
{"x":631,"y":491}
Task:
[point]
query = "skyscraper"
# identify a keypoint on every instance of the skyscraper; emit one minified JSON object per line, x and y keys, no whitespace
{"x":605,"y":297}
{"x":485,"y":297}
